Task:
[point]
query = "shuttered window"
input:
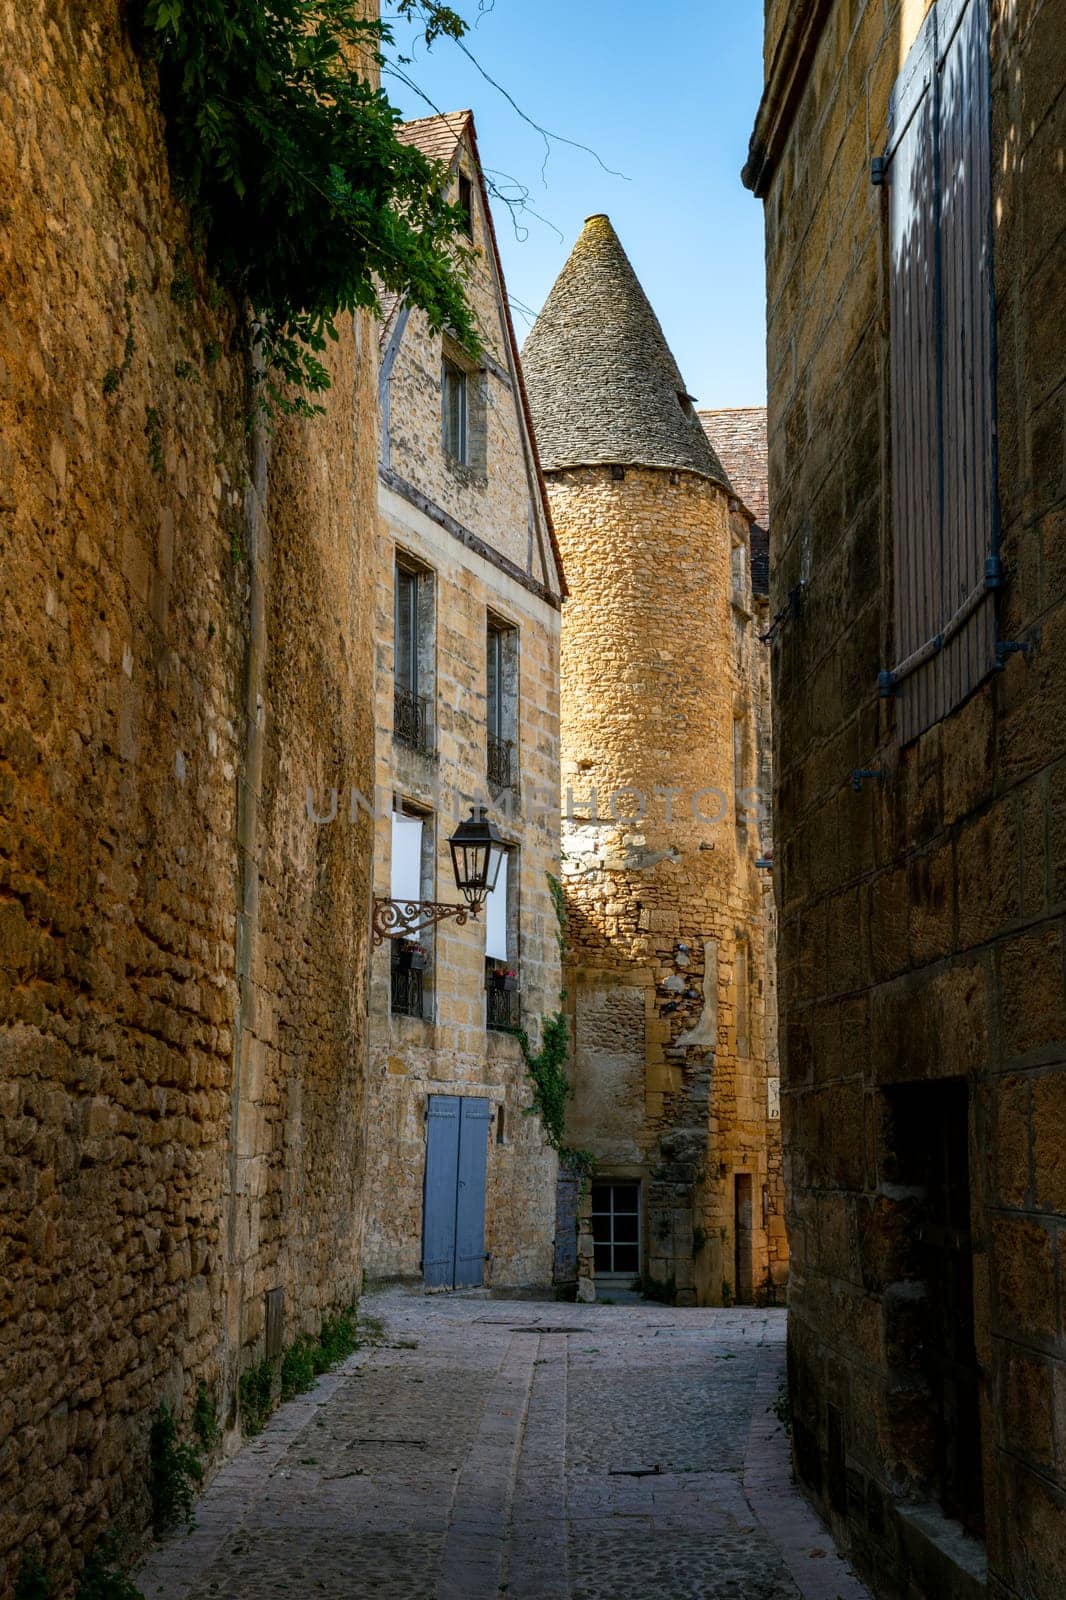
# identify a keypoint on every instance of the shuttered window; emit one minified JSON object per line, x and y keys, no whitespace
{"x":454,"y":431}
{"x":937,"y":168}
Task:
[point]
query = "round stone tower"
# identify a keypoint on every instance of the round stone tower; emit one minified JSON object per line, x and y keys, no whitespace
{"x":664,"y":900}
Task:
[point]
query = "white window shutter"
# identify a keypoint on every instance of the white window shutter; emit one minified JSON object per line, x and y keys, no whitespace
{"x":496,"y":918}
{"x":406,"y":876}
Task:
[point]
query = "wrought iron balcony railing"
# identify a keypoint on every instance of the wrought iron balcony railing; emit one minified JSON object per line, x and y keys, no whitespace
{"x":410,"y":723}
{"x":408,"y":992}
{"x":503,"y":767}
{"x":503,"y":1009}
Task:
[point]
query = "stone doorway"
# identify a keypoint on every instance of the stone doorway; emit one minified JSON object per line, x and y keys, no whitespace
{"x":743,"y":1283}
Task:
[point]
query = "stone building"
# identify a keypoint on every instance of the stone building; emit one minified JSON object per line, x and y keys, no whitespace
{"x":468,"y":592}
{"x":185,"y":648}
{"x":668,"y":962}
{"x":910,"y":160}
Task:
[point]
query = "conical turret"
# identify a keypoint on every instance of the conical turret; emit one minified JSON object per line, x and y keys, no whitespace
{"x":603,"y":385}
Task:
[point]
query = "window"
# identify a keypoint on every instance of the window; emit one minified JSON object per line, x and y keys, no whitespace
{"x":616,"y":1229}
{"x":454,"y":410}
{"x":411,"y":878}
{"x":502,"y":704}
{"x":740,"y":772}
{"x":502,"y":999}
{"x":743,"y":960}
{"x":413,"y":655}
{"x":466,"y":204}
{"x":937,"y":172}
{"x":739,"y":576}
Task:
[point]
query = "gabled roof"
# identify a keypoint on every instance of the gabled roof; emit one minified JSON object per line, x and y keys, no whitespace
{"x":437,"y":137}
{"x":441,"y":138}
{"x":604,"y":387}
{"x":738,"y":435}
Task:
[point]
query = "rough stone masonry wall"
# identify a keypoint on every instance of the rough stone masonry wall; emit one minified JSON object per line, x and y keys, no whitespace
{"x":922,"y":919}
{"x":653,"y":676}
{"x":184,"y":647}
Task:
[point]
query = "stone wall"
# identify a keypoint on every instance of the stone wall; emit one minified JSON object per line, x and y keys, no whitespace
{"x":185,"y":646}
{"x":451,"y":1051}
{"x":658,"y":667}
{"x":922,"y":912}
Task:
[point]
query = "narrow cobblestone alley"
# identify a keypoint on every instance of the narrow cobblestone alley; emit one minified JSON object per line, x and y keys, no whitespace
{"x":536,"y":1450}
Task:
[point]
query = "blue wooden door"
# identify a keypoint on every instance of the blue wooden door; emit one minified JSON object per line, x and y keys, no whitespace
{"x":442,"y":1170}
{"x":453,"y":1230}
{"x":470,"y":1206}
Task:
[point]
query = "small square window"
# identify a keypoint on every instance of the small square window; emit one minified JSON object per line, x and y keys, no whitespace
{"x":454,"y":410}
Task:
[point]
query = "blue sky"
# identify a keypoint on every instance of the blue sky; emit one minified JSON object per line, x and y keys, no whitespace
{"x":666,"y":96}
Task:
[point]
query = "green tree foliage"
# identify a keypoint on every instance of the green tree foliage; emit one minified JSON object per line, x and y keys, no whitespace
{"x":289,"y":159}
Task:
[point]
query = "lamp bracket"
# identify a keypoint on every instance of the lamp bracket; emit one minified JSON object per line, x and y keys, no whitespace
{"x":404,"y":919}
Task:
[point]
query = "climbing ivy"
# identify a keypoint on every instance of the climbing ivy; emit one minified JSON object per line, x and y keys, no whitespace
{"x":175,"y":1473}
{"x":103,"y":1577}
{"x":547,"y":1066}
{"x":308,"y":203}
{"x":562,"y":919}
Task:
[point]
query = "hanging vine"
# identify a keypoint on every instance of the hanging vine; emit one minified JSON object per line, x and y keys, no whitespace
{"x":308,"y":203}
{"x":547,"y":1066}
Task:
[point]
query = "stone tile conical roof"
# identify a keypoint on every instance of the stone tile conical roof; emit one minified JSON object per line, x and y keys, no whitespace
{"x":603,"y":385}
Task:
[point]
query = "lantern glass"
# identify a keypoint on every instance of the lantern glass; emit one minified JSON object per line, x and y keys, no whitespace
{"x":477,"y":850}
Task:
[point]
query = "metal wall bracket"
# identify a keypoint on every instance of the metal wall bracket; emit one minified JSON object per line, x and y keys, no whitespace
{"x":860,"y":774}
{"x":879,"y":171}
{"x":886,"y":683}
{"x":1010,"y":647}
{"x":403,"y":919}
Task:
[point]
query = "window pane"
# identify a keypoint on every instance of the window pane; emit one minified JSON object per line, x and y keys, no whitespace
{"x":626,"y":1196}
{"x":626,"y":1258}
{"x":494,"y":696}
{"x":601,"y":1197}
{"x":625,"y":1228}
{"x":406,"y":629}
{"x":602,"y":1257}
{"x":453,"y":406}
{"x":601,"y":1229}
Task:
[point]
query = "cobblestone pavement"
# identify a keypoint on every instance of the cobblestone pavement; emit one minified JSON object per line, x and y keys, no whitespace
{"x":526,"y":1449}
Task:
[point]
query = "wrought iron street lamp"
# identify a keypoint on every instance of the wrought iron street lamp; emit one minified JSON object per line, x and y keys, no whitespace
{"x":477,"y":848}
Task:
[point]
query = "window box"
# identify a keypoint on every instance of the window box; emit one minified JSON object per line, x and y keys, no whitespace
{"x":411,"y":958}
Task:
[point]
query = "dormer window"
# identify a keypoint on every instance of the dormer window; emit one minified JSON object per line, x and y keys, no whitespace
{"x":466,"y":204}
{"x":454,"y":411}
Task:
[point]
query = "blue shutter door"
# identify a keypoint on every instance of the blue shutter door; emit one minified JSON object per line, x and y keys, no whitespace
{"x":967,"y":405}
{"x":442,"y":1169}
{"x":470,"y":1210}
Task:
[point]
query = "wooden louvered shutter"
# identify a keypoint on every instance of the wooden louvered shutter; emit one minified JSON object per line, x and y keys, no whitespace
{"x":967,"y":405}
{"x":937,"y":169}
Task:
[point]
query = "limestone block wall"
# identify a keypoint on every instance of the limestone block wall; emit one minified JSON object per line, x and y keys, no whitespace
{"x":661,"y":880}
{"x":184,"y":647}
{"x":452,"y":1051}
{"x":922,"y":918}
